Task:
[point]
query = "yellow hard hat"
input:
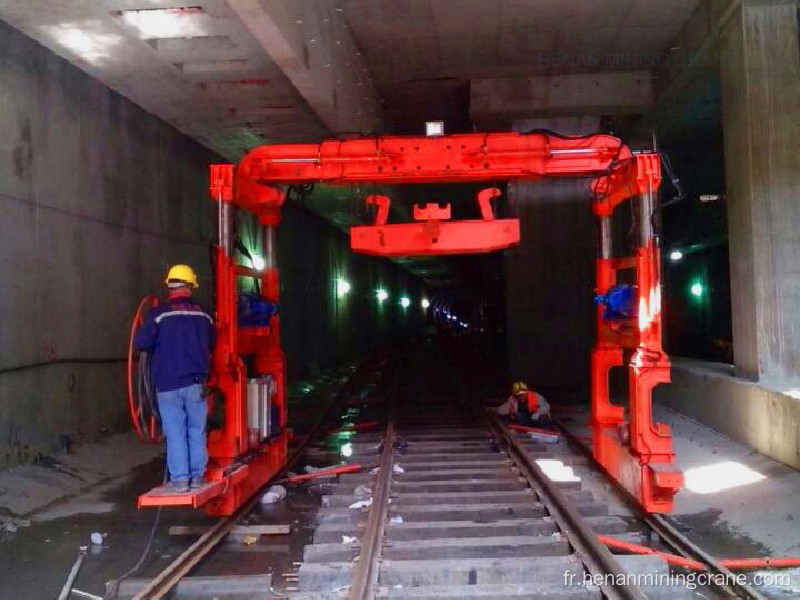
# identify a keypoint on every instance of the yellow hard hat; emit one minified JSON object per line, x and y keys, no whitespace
{"x":518,"y":388}
{"x":183,"y":273}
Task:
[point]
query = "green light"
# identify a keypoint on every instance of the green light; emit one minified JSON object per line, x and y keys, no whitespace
{"x":346,"y":450}
{"x":405,"y":302}
{"x":381,"y":295}
{"x":697,"y":289}
{"x":342,"y":288}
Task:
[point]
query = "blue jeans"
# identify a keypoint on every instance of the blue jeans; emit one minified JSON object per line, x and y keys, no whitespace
{"x":183,"y":419}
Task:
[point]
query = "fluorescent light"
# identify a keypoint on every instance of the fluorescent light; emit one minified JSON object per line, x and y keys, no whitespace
{"x":675,"y":255}
{"x":405,"y":302}
{"x":434,"y":128}
{"x":719,"y":476}
{"x":86,"y":40}
{"x":156,"y":23}
{"x":342,"y":288}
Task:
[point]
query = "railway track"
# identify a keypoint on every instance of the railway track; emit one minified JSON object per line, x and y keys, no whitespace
{"x":454,"y":505}
{"x":459,"y":508}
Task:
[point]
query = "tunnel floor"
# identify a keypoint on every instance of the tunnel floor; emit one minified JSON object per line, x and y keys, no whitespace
{"x":761,"y":518}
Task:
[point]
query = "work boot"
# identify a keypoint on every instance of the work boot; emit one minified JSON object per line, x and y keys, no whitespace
{"x":196,"y":483}
{"x":178,"y":487}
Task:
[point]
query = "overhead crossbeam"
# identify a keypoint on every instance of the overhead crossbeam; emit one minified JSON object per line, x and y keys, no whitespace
{"x":455,"y":158}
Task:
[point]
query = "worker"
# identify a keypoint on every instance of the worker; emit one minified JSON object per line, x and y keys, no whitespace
{"x":180,"y":334}
{"x":524,"y":407}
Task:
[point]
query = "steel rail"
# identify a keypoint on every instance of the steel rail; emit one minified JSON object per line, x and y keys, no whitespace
{"x":674,"y":538}
{"x":365,"y":572}
{"x":597,"y":558}
{"x":169,"y":577}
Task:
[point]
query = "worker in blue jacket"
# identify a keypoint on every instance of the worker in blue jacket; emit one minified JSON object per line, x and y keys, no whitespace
{"x":180,"y":335}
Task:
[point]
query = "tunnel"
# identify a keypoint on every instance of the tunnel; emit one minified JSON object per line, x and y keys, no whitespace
{"x":458,"y":299}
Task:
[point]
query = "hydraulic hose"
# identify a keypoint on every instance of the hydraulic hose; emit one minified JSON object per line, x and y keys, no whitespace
{"x":141,"y":394}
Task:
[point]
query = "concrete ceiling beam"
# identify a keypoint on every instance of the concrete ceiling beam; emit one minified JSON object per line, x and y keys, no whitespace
{"x":494,"y":101}
{"x":687,"y":101}
{"x":313,"y":46}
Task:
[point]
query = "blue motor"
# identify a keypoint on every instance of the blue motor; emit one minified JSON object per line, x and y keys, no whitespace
{"x":255,"y":311}
{"x":620,"y":302}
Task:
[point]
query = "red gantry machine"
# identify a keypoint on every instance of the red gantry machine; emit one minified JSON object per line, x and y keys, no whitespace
{"x":250,"y":445}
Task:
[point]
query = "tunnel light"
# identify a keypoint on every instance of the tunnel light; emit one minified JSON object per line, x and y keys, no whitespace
{"x":405,"y":302}
{"x":697,"y":289}
{"x":720,"y":476}
{"x":88,"y":40}
{"x":156,"y":23}
{"x":346,"y":450}
{"x":257,"y":262}
{"x":675,"y":255}
{"x":425,"y":303}
{"x":342,"y":288}
{"x":434,"y":128}
{"x":381,"y":295}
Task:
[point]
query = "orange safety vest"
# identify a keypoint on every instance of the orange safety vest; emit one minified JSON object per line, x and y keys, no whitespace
{"x":533,"y":401}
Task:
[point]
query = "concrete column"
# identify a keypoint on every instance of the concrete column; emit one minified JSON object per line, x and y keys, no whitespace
{"x":761,"y":123}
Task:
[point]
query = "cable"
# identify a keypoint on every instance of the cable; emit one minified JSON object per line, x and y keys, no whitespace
{"x":150,"y":539}
{"x":145,"y":391}
{"x":676,"y":183}
{"x":679,"y":196}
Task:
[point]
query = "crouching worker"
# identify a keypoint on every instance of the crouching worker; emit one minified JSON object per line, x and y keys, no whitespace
{"x":524,"y":407}
{"x":180,"y":334}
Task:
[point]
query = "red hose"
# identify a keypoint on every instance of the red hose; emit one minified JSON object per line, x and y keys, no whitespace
{"x":774,"y":562}
{"x":148,"y":431}
{"x":637,"y":549}
{"x":760,"y":563}
{"x":324,"y":473}
{"x":537,"y":430}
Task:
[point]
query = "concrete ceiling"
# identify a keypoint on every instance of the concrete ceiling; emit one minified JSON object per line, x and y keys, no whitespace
{"x":237,"y":73}
{"x":234,"y":74}
{"x":425,"y":39}
{"x":197,"y":67}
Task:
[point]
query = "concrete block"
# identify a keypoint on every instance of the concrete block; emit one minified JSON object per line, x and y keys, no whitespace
{"x":324,"y":577}
{"x":478,"y":571}
{"x":493,"y":592}
{"x":459,"y":487}
{"x":229,"y":587}
{"x":480,"y":513}
{"x":481,"y":547}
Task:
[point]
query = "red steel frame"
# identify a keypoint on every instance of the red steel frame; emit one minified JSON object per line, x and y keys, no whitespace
{"x":640,"y":461}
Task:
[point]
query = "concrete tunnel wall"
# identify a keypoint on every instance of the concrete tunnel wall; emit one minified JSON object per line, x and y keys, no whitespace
{"x":97,"y":198}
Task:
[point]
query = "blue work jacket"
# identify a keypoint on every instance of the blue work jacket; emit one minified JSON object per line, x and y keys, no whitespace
{"x":180,"y":335}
